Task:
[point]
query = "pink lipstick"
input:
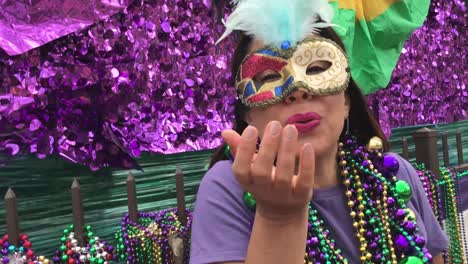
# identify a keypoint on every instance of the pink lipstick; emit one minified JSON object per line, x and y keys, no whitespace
{"x":305,"y":122}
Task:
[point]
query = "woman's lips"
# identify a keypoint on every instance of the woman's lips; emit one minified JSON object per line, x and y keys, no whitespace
{"x":305,"y":122}
{"x":306,"y":127}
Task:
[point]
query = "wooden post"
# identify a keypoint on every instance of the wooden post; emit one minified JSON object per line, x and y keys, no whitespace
{"x":78,"y":217}
{"x":459,"y":147}
{"x":12,"y":218}
{"x":180,"y":196}
{"x":445,"y":149}
{"x":404,"y":147}
{"x":177,"y":244}
{"x":132,"y":199}
{"x":425,"y":141}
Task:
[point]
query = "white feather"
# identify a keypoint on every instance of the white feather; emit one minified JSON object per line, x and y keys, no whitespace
{"x":275,"y":21}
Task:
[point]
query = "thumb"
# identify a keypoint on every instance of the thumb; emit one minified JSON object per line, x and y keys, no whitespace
{"x":232,"y":138}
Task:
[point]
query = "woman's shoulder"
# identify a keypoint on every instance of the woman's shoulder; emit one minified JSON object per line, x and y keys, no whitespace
{"x":220,"y":174}
{"x":222,"y":165}
{"x":222,"y":223}
{"x":220,"y":184}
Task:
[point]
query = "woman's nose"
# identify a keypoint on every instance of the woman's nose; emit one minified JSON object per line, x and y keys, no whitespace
{"x":297,"y":95}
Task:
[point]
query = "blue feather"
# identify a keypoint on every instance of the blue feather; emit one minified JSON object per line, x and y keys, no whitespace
{"x":276,"y":21}
{"x":268,"y":52}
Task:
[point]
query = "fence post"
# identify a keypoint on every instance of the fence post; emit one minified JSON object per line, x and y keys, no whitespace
{"x":180,"y":196}
{"x":445,"y":149}
{"x":425,"y":141}
{"x":77,"y":208}
{"x":459,"y":147}
{"x":177,"y":244}
{"x":132,"y":198}
{"x":404,"y":147}
{"x":12,"y":218}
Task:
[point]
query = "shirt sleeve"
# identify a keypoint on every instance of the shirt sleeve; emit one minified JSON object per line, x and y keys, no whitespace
{"x":222,"y":224}
{"x":436,"y":240}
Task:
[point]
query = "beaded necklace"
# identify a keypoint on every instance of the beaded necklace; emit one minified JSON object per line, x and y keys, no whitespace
{"x":386,"y":229}
{"x":452,"y":215}
{"x":432,"y":189}
{"x":147,"y":241}
{"x":459,"y":176}
{"x":23,"y":254}
{"x":95,"y":250}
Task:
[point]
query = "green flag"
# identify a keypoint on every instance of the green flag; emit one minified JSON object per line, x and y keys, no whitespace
{"x":374,"y":32}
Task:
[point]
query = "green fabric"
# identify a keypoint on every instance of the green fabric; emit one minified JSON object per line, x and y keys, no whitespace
{"x":44,"y":198}
{"x":374,"y":46}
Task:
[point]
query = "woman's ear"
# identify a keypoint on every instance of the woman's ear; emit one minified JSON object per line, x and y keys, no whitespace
{"x":347,"y":107}
{"x":247,"y":118}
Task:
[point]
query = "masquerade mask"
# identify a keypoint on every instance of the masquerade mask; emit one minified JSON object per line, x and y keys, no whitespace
{"x":380,"y":28}
{"x":316,"y":65}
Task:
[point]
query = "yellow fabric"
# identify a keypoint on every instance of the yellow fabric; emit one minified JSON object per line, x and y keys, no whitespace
{"x":366,"y":9}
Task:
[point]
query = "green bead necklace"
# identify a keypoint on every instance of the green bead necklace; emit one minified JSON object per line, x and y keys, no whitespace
{"x":385,"y":227}
{"x":452,"y":215}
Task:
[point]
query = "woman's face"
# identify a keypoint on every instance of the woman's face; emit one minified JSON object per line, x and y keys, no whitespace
{"x":332,"y":110}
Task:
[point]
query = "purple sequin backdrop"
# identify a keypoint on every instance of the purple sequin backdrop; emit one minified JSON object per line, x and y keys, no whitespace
{"x":26,"y":24}
{"x":151,"y":79}
{"x":429,"y":82}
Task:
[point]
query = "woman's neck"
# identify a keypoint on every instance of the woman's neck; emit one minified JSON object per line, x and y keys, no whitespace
{"x":326,"y":170}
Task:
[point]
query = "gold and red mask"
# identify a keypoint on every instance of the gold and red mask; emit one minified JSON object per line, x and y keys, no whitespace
{"x":316,"y":65}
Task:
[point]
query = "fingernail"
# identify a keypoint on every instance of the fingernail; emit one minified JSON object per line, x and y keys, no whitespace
{"x":275,"y":128}
{"x":249,"y":132}
{"x":308,"y":149}
{"x":289,"y":132}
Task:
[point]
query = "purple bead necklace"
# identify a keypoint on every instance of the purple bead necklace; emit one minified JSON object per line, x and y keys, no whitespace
{"x":386,"y":229}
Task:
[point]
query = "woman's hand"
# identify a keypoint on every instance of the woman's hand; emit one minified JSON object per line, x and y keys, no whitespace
{"x":279,"y":193}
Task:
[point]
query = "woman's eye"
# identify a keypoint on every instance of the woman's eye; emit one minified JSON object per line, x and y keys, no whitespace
{"x":267,"y":76}
{"x":317,"y":67}
{"x":270,"y":78}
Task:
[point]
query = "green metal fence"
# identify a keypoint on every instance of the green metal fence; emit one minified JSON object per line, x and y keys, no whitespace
{"x":43,"y":192}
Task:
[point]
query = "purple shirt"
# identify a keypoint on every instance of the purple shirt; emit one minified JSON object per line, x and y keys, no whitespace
{"x":222,"y":223}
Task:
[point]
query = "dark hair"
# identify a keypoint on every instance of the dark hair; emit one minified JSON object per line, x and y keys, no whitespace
{"x":362,"y":123}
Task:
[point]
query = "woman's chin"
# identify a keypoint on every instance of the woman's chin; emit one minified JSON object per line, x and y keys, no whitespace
{"x":321,"y":146}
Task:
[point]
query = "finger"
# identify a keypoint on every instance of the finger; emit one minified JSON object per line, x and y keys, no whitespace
{"x":286,"y":156}
{"x":263,"y":164}
{"x":244,"y":155}
{"x":306,"y":176}
{"x":232,"y":139}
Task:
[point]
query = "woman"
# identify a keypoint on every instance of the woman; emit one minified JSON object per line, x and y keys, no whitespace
{"x":285,"y":197}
